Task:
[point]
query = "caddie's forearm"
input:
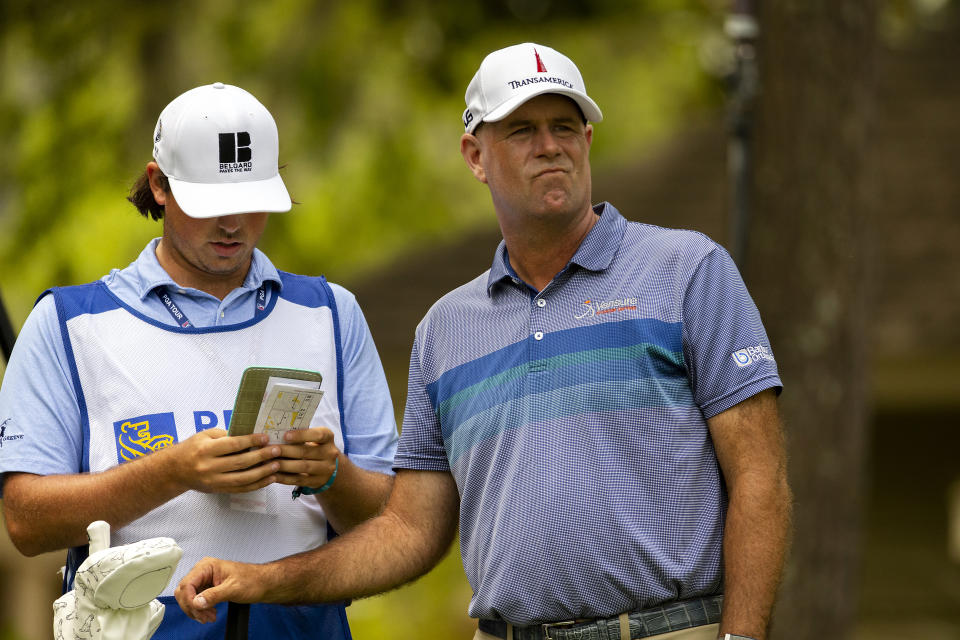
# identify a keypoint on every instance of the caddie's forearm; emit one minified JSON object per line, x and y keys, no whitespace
{"x":47,"y":513}
{"x":356,"y":495}
{"x":756,"y":539}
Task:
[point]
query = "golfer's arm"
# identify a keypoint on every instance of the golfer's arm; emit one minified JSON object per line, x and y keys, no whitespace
{"x":404,"y":542}
{"x":356,"y":495}
{"x":46,"y":513}
{"x":748,"y":439}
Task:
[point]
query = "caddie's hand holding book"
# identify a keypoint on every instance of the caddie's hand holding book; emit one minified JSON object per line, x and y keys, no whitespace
{"x":272,"y":400}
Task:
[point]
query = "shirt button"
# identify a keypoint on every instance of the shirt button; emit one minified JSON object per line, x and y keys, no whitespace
{"x":541,"y":302}
{"x":180,"y":291}
{"x":221,"y":314}
{"x":538,"y":335}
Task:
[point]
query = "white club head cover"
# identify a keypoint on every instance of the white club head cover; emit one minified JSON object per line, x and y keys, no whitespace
{"x":106,"y":624}
{"x":114,"y":592}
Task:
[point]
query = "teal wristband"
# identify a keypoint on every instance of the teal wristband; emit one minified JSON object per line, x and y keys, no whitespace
{"x":298,"y":491}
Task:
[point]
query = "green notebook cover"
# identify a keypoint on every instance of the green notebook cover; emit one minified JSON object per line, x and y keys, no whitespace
{"x":250,"y":394}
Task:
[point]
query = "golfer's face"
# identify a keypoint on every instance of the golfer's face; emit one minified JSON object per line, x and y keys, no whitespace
{"x":536,"y":160}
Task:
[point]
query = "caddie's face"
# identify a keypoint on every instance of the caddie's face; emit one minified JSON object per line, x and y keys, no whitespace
{"x":209,"y":254}
{"x":536,"y":160}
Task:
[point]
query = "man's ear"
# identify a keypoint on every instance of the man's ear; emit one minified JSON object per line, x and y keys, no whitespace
{"x":472,"y":151}
{"x":156,"y":186}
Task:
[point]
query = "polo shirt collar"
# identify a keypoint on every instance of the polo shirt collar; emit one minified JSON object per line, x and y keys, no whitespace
{"x":595,"y":253}
{"x":150,"y":275}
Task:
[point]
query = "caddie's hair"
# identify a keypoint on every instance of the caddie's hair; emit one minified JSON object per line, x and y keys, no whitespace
{"x":141,"y":195}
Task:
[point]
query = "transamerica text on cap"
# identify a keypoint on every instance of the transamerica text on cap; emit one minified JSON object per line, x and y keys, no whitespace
{"x":516,"y":84}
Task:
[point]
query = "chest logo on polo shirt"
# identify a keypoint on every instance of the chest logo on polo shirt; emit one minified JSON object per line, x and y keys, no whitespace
{"x":141,"y":436}
{"x":591,"y":308}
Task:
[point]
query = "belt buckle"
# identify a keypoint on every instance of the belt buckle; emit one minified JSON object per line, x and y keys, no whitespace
{"x":545,"y":627}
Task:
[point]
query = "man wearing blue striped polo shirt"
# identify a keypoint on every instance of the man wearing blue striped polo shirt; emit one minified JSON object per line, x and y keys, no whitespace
{"x":597,"y":412}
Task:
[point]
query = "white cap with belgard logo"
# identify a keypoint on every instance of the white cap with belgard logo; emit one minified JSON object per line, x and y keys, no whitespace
{"x":219,"y":148}
{"x":509,"y":77}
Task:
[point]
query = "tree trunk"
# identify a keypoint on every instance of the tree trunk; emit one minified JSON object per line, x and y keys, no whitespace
{"x":806,"y":268}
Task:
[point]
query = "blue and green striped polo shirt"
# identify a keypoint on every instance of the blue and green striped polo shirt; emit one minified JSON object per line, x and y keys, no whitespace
{"x":574,"y":421}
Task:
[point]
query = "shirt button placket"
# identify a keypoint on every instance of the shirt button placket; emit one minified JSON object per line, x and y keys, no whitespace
{"x":538,"y":318}
{"x":536,"y":357}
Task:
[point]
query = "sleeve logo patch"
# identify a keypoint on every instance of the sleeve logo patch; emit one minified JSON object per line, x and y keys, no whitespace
{"x":4,"y":436}
{"x":746,"y":357}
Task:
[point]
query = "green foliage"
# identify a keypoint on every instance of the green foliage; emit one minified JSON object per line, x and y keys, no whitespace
{"x":902,"y":20}
{"x":8,"y":632}
{"x":435,"y":606}
{"x":367,"y":95}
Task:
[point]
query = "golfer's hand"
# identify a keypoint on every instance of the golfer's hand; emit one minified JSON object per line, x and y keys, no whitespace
{"x":212,"y":581}
{"x":213,"y":462}
{"x":307,"y":458}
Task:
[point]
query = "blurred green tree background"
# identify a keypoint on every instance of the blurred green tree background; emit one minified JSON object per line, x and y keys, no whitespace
{"x":367,"y":95}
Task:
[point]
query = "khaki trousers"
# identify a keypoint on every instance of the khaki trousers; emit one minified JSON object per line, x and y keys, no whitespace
{"x":704,"y":632}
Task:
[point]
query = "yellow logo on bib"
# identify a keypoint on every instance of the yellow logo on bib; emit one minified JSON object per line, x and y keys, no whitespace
{"x":134,"y":440}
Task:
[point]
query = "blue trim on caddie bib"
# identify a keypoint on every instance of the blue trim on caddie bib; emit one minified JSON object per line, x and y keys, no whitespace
{"x":311,"y":297}
{"x":295,"y":292}
{"x":338,"y":341}
{"x":95,"y":298}
{"x":277,"y":622}
{"x":76,"y":303}
{"x":71,"y":302}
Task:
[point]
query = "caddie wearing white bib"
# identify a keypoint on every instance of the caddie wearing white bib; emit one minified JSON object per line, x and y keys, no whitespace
{"x":118,"y":394}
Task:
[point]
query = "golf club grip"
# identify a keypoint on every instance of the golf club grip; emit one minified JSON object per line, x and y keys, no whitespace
{"x":98,"y":535}
{"x":238,"y":617}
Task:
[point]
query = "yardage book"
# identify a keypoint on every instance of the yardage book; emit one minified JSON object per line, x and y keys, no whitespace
{"x":273,"y":400}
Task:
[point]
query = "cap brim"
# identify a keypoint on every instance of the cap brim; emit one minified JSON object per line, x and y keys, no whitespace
{"x":590,"y":109}
{"x":212,"y":200}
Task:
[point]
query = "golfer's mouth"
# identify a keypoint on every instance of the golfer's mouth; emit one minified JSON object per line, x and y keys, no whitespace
{"x":550,"y":172}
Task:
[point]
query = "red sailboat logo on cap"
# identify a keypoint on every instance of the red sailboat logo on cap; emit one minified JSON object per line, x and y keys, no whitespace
{"x":540,"y":67}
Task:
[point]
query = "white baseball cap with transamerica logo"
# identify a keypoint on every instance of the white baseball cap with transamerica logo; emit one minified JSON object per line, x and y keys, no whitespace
{"x":509,"y":77}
